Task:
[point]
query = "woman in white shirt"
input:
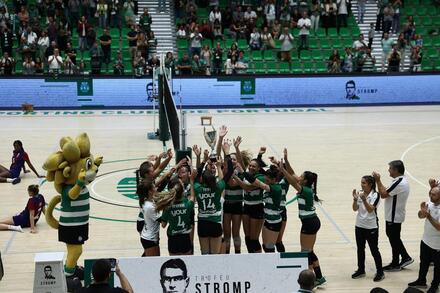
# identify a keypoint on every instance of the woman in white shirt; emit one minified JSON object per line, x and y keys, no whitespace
{"x":42,"y":44}
{"x":365,"y":203}
{"x":269,"y":10}
{"x":230,"y":65}
{"x":254,"y":41}
{"x":150,"y":232}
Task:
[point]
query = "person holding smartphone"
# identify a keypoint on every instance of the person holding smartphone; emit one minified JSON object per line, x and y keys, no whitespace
{"x":101,"y":272}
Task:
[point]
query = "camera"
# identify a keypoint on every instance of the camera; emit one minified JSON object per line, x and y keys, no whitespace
{"x":112,"y":262}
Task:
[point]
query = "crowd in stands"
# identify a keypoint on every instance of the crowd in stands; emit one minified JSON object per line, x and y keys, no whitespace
{"x":80,"y":36}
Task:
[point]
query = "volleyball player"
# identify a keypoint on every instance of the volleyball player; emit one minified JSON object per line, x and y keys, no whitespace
{"x":19,"y":157}
{"x":306,"y":185}
{"x":272,"y":211}
{"x":253,"y":207}
{"x":29,"y":216}
{"x":150,"y":232}
{"x":233,"y":207}
{"x":178,"y":211}
{"x":433,"y":182}
{"x":365,"y":204}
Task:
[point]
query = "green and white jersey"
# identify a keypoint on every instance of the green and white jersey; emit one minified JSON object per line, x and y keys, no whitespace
{"x":74,"y":212}
{"x":306,"y":205}
{"x":255,"y":196}
{"x":234,"y":193}
{"x":272,"y":200}
{"x":284,"y":189}
{"x":208,"y":200}
{"x":179,"y":217}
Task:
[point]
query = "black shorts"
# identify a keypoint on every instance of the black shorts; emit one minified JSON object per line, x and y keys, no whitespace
{"x":310,"y":226}
{"x":254,"y":211}
{"x":179,"y":244}
{"x":209,"y":229}
{"x":21,"y":220}
{"x":273,"y":227}
{"x":233,"y":207}
{"x":148,"y":243}
{"x":73,"y":234}
{"x":284,"y":214}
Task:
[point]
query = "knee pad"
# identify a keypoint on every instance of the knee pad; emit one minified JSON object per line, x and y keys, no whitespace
{"x":257,"y":245}
{"x":269,"y":247}
{"x":280,"y":247}
{"x":248,"y":243}
{"x":312,"y":257}
{"x":237,"y":241}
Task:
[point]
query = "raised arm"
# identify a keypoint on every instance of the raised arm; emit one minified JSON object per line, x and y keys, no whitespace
{"x":355,"y":205}
{"x":291,"y":178}
{"x":219,"y":164}
{"x":198,"y":152}
{"x":192,"y":179}
{"x":242,"y":184}
{"x":229,"y":168}
{"x":223,"y":130}
{"x":163,"y":164}
{"x":237,"y":143}
{"x":287,"y":163}
{"x":381,"y":188}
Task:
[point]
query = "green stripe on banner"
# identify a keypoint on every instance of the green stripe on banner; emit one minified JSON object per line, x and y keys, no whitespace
{"x":293,"y":254}
{"x":289,"y":267}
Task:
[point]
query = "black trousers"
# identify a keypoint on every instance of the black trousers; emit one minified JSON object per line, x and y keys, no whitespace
{"x":397,"y":247}
{"x":427,"y":254}
{"x":372,"y":237}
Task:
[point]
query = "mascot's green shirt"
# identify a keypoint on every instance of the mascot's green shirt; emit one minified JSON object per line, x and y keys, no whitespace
{"x":74,"y":212}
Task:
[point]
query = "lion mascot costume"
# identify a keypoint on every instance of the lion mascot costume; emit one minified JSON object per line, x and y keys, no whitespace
{"x":71,"y":169}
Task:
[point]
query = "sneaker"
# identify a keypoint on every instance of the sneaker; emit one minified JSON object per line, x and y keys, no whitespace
{"x":406,"y":262}
{"x":418,"y":284}
{"x":358,"y":274}
{"x":16,"y":181}
{"x":432,"y":290}
{"x":392,"y":268}
{"x":379,"y":277}
{"x":320,"y":282}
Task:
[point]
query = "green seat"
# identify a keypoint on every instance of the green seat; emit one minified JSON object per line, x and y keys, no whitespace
{"x":294,"y":32}
{"x":432,"y":12}
{"x":409,"y":11}
{"x":337,"y":44}
{"x":325,"y":44}
{"x":436,"y":19}
{"x":321,"y":67}
{"x":296,"y":67}
{"x":182,"y":44}
{"x":427,"y":42}
{"x":426,"y":64}
{"x":432,"y":53}
{"x":332,"y":32}
{"x":355,"y":31}
{"x":228,"y":43}
{"x":317,"y":55}
{"x":242,"y":44}
{"x":272,"y":67}
{"x":437,"y":64}
{"x":309,"y":67}
{"x":277,"y":44}
{"x":344,"y":32}
{"x":202,"y":12}
{"x":313,"y":43}
{"x":256,"y":55}
{"x":427,"y":21}
{"x":268,"y":55}
{"x":436,"y":41}
{"x":284,"y":68}
{"x":421,"y":10}
{"x":306,"y":55}
{"x":259,"y":67}
{"x":206,"y":42}
{"x":320,"y":32}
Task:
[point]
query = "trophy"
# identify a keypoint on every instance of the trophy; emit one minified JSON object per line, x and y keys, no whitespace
{"x":211,"y":139}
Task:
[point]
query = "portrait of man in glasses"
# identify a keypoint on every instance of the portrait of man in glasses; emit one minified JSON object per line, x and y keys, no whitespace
{"x":174,"y":276}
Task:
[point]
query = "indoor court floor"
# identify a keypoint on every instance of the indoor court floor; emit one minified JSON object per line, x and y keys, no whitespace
{"x":340,"y":144}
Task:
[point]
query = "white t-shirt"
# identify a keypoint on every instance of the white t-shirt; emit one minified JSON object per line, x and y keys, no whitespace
{"x":215,"y":15}
{"x":431,"y":236}
{"x":342,"y":9}
{"x":364,"y":219}
{"x":395,"y":204}
{"x":151,"y":226}
{"x":53,"y":64}
{"x":306,"y":23}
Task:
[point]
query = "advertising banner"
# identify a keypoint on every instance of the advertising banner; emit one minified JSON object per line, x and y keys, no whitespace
{"x":223,"y":91}
{"x":246,"y":273}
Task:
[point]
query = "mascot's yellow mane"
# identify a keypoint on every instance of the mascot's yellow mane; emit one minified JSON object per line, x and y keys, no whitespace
{"x":72,"y":165}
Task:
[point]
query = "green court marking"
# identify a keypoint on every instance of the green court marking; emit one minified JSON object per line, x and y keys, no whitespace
{"x":289,"y":267}
{"x":127,"y":187}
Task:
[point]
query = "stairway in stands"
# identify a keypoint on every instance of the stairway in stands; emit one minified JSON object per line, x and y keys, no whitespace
{"x":370,"y":17}
{"x":163,"y":24}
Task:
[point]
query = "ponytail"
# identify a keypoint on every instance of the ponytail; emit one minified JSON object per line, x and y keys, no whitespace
{"x":312,"y":182}
{"x":142,"y":191}
{"x":164,"y":200}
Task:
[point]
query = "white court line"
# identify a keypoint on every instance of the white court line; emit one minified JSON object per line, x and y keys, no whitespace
{"x":105,"y":199}
{"x":411,"y":148}
{"x":9,"y":243}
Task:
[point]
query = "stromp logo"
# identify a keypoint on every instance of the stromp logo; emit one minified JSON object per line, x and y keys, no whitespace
{"x":352,"y":93}
{"x":127,"y":187}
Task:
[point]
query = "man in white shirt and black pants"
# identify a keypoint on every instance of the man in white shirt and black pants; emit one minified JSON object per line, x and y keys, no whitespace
{"x":430,"y":244}
{"x":395,"y":197}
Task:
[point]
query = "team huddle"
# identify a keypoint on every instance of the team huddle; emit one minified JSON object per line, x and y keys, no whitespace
{"x":230,"y":189}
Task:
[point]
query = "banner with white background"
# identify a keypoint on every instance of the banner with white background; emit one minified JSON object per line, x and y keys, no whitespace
{"x":245,"y":273}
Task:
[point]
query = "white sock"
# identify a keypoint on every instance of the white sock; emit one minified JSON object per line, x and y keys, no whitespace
{"x":15,"y":228}
{"x":9,"y":180}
